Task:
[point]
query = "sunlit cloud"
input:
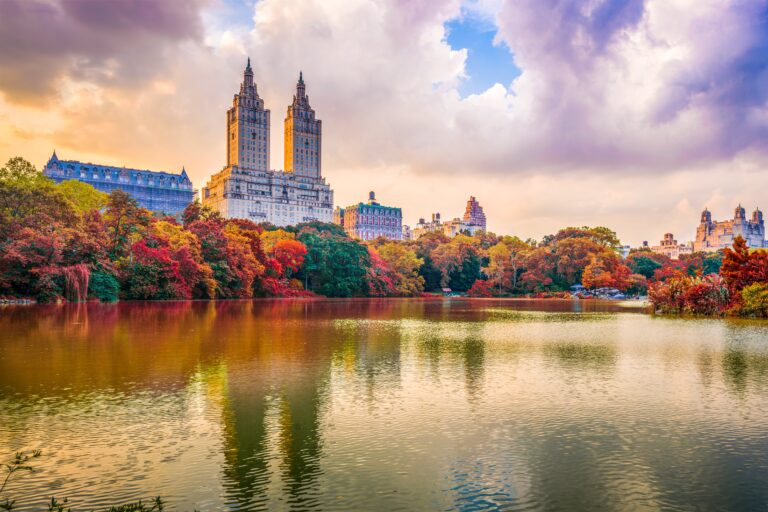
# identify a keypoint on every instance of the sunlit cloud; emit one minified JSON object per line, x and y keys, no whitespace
{"x":616,"y":112}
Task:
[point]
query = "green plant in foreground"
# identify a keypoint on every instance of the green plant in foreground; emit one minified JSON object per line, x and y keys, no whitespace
{"x":19,"y":463}
{"x":155,"y":505}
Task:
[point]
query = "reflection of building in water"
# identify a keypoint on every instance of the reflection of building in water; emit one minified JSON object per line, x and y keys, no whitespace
{"x":273,"y":402}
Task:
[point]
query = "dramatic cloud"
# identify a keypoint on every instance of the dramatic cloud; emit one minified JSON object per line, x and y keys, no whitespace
{"x":116,"y":42}
{"x":629,"y":113}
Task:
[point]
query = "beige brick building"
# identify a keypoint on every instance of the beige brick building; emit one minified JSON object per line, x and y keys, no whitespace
{"x":247,"y":187}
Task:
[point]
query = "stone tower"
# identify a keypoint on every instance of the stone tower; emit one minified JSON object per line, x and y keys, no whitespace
{"x":303,"y":136}
{"x":248,"y":127}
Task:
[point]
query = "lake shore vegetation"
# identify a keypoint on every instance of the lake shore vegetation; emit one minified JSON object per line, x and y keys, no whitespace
{"x":70,"y":242}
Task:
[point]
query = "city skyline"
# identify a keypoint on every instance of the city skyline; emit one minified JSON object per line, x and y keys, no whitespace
{"x":619,"y":118}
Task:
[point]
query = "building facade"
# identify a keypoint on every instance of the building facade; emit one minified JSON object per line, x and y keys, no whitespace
{"x":474,"y":221}
{"x":371,"y":220}
{"x":247,"y":188}
{"x":474,"y":215}
{"x":712,"y":235}
{"x":160,"y":192}
{"x":669,"y":247}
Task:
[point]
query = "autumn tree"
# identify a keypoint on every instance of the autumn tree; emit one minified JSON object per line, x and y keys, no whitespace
{"x":125,"y":222}
{"x":404,"y":265}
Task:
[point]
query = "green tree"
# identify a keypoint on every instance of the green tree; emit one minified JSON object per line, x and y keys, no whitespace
{"x":82,"y":195}
{"x":335,"y":266}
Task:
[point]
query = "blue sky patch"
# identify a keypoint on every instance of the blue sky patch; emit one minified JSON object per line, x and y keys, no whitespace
{"x":486,"y":63}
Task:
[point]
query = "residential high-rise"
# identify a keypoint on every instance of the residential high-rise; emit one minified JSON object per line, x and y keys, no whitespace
{"x":303,"y":135}
{"x":248,"y":127}
{"x":247,"y":188}
{"x":473,"y":221}
{"x":371,"y":220}
{"x":473,"y":214}
{"x":669,"y":247}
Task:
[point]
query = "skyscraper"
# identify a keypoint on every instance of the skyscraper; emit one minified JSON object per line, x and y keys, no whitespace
{"x":303,"y":135}
{"x":247,"y":188}
{"x":248,"y":127}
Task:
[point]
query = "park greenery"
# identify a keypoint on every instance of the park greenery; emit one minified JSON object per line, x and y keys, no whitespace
{"x":70,"y":242}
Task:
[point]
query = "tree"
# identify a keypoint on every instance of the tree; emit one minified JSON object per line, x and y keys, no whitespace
{"x":82,"y":195}
{"x":572,"y":256}
{"x":404,"y":265}
{"x":458,"y":262}
{"x":643,"y":264}
{"x":29,"y":199}
{"x":499,"y":257}
{"x":335,"y":265}
{"x":125,"y":222}
{"x":290,"y":255}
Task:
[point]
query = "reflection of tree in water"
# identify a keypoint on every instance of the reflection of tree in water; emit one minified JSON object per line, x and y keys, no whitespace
{"x":583,"y":355}
{"x":473,"y":352}
{"x":740,"y":366}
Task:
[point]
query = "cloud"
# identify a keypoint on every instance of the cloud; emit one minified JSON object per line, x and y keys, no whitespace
{"x":119,"y":42}
{"x":622,"y":105}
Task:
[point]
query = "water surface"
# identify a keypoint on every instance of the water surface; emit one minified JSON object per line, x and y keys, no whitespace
{"x":385,"y":405}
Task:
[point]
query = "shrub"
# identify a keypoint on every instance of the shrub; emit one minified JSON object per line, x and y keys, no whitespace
{"x":481,"y":288}
{"x":754,"y":300}
{"x":690,"y":295}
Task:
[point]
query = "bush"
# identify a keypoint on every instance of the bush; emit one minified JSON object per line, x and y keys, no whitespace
{"x":754,"y":300}
{"x":690,"y":295}
{"x":481,"y":288}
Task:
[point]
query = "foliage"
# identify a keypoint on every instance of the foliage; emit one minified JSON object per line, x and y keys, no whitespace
{"x":404,"y":265}
{"x":458,"y":262}
{"x":104,"y":286}
{"x":58,"y":242}
{"x":335,"y":265}
{"x":481,"y":288}
{"x":20,"y":462}
{"x":754,"y":300}
{"x":690,"y":295}
{"x":82,"y":195}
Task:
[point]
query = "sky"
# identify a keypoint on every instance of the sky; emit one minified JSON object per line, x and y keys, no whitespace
{"x":633,"y":114}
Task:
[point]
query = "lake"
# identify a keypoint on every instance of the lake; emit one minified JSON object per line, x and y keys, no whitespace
{"x":385,"y":405}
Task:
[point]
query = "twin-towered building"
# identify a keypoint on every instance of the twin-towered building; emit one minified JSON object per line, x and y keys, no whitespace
{"x":247,"y":187}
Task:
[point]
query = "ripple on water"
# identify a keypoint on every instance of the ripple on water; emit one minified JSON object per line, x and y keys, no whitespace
{"x":389,"y":405}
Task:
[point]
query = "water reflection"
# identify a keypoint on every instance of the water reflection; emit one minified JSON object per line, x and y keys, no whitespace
{"x":386,"y":404}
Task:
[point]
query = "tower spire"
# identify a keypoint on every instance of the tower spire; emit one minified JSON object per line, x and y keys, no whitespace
{"x":301,"y":89}
{"x":248,"y":74}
